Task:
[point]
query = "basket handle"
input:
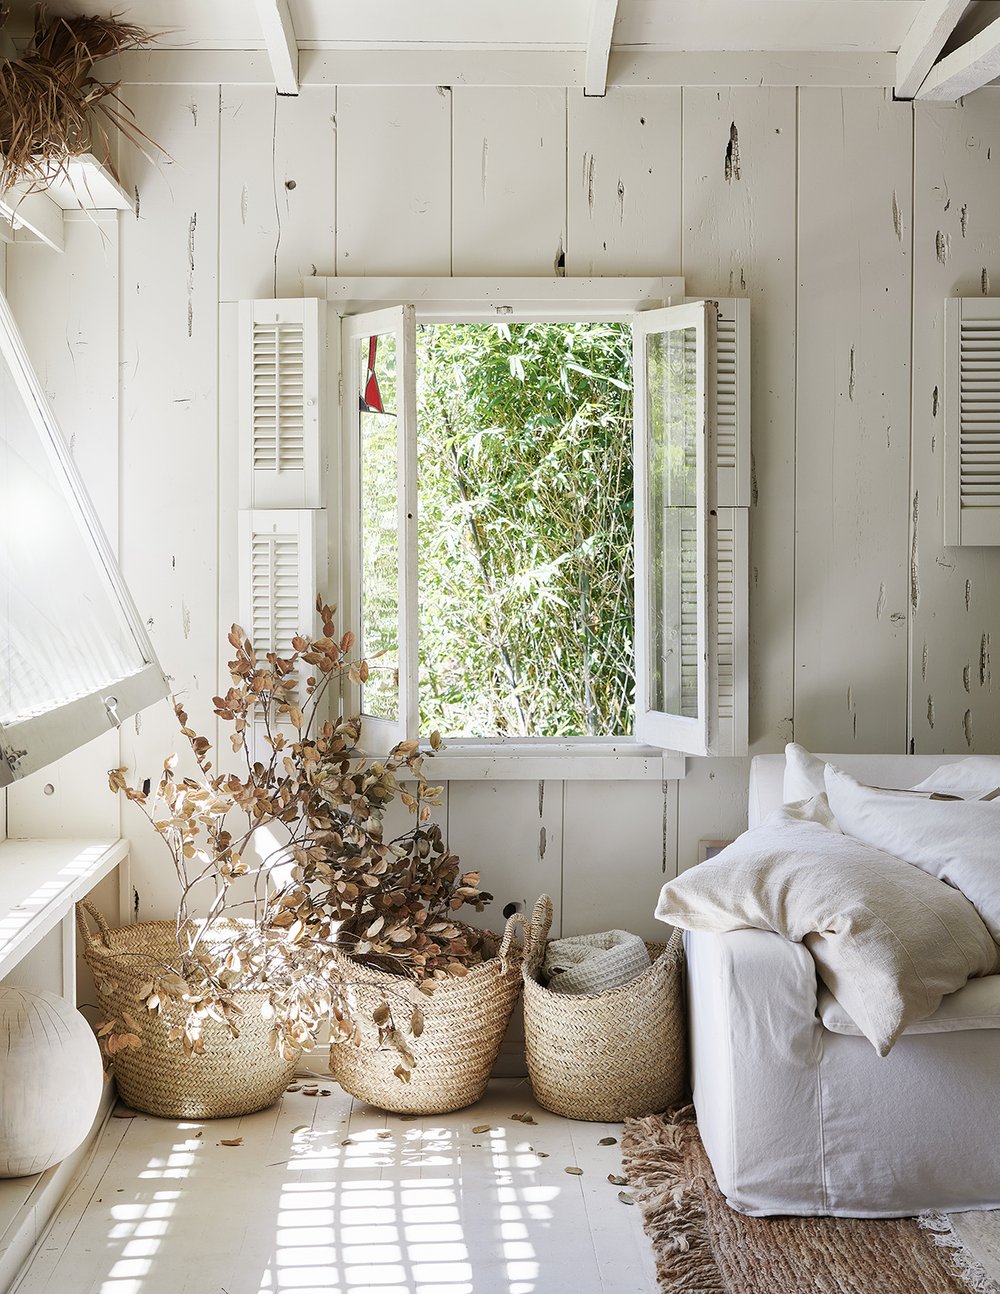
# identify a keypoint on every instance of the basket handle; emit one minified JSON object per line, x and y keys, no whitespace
{"x":86,"y":909}
{"x":541,"y":922}
{"x":507,"y":942}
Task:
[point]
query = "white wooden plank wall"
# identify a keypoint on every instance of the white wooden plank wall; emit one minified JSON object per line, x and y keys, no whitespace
{"x":852,"y":418}
{"x":739,"y":240}
{"x":801,"y":200}
{"x":954,"y":591}
{"x":169,"y":299}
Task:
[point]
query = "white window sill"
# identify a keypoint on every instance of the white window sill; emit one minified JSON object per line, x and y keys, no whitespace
{"x":561,"y":761}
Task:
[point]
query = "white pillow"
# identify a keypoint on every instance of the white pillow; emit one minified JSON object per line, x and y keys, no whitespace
{"x":957,"y":841}
{"x":975,"y":778}
{"x":888,"y":941}
{"x":803,"y":774}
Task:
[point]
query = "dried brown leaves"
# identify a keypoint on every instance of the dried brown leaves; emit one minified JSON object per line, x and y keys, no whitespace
{"x":334,"y":887}
{"x":48,"y":96}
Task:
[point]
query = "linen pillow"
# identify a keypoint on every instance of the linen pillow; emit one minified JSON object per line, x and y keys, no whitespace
{"x":957,"y":841}
{"x":975,"y":778}
{"x":888,"y":940}
{"x":803,"y":774}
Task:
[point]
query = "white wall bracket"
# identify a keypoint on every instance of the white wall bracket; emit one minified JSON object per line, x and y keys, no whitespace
{"x":929,"y":31}
{"x":282,"y":46}
{"x":965,"y":69}
{"x":602,"y":26}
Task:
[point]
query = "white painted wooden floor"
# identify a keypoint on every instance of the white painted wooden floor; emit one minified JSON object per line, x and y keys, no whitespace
{"x":327,"y":1196}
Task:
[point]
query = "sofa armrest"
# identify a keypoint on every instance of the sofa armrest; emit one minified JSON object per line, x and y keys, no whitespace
{"x":756,"y":1043}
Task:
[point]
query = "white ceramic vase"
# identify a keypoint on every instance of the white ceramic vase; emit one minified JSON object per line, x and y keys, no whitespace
{"x":51,"y":1079}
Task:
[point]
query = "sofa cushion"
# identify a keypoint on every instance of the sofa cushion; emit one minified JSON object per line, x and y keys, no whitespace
{"x":975,"y":1006}
{"x":888,"y":940}
{"x":954,"y":840}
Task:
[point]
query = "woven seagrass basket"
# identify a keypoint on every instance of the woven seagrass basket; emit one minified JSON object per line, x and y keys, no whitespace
{"x":464,"y":1024}
{"x":232,"y":1076}
{"x":605,"y":1056}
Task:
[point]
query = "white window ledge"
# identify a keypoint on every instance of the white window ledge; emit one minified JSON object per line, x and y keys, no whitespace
{"x":559,"y":761}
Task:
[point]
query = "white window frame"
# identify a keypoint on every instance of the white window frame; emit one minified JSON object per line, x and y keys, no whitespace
{"x":38,"y":740}
{"x":476,"y":300}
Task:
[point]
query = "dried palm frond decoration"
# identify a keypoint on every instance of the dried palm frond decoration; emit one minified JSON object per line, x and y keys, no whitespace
{"x":50,"y":103}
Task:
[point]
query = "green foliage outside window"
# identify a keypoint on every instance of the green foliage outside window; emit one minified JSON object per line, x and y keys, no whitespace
{"x":525,"y":529}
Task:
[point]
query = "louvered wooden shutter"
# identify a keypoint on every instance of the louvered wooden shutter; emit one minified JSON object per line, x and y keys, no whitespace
{"x":279,"y":575}
{"x":731,"y":381}
{"x":281,"y":360}
{"x":972,"y":421}
{"x":732,"y":629}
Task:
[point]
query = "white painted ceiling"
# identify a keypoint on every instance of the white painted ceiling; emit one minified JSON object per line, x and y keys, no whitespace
{"x":863,"y":26}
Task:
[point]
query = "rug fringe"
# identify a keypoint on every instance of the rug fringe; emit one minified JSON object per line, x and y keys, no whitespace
{"x":673,"y":1216}
{"x":967,"y":1267}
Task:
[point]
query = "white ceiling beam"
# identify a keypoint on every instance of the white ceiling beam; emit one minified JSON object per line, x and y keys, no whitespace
{"x":965,"y":69}
{"x":602,"y":26}
{"x":929,"y":31}
{"x":282,"y":46}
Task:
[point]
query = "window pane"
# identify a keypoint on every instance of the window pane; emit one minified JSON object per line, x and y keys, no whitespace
{"x":63,"y":634}
{"x":525,"y":567}
{"x":379,"y":493}
{"x":672,"y":387}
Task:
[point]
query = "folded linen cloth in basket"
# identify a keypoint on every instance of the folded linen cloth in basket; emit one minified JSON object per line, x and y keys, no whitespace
{"x":594,"y":963}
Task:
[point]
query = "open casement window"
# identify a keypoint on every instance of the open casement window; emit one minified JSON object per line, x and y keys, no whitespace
{"x":75,"y":660}
{"x":690,"y":419}
{"x":380,"y":544}
{"x":972,"y":422}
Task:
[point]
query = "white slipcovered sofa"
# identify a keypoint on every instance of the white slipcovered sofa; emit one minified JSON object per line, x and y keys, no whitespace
{"x":797,"y":1111}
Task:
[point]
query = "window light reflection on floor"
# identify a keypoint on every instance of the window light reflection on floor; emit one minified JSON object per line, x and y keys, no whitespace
{"x":361,"y":1231}
{"x":377,"y":1215}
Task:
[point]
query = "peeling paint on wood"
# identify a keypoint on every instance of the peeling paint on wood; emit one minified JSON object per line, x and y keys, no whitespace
{"x":984,"y":282}
{"x":968,"y":595}
{"x":964,"y":218}
{"x":897,"y":217}
{"x":935,"y":401}
{"x":192,"y":229}
{"x":880,"y":604}
{"x":923,"y":662}
{"x":732,"y":169}
{"x":942,"y":246}
{"x":541,"y":798}
{"x":985,"y":675}
{"x":541,"y":843}
{"x":967,"y":728}
{"x":914,"y":559}
{"x":930,"y":712}
{"x":852,"y":378}
{"x":966,"y":678}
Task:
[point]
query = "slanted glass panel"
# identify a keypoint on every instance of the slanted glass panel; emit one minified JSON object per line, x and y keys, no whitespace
{"x":379,"y":495}
{"x":74,"y":659}
{"x":671,"y":509}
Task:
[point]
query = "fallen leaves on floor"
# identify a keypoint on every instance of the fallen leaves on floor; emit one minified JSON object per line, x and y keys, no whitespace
{"x":481,"y":1127}
{"x":523,"y":1118}
{"x":608,"y":1141}
{"x":124,"y":1114}
{"x":615,"y":1180}
{"x":231,"y":1141}
{"x":625,"y":1197}
{"x":576,"y":1172}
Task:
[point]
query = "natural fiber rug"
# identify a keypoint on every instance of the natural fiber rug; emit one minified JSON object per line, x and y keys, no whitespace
{"x":702,"y":1246}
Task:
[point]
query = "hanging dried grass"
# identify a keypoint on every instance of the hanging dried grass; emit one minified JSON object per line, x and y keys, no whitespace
{"x":51,"y":107}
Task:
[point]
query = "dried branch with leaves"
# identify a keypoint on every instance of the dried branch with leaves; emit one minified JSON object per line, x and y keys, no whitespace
{"x":294,"y":849}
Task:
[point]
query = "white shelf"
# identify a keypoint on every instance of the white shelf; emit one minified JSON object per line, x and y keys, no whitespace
{"x":40,"y":881}
{"x":36,"y":215}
